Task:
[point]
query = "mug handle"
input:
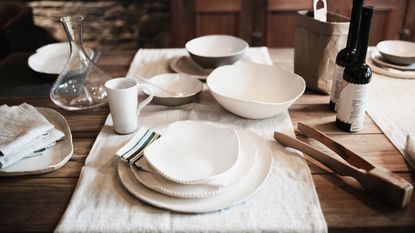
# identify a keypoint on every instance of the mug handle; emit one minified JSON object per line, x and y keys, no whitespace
{"x":148,"y":99}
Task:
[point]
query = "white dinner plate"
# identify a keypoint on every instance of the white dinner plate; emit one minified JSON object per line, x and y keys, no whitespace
{"x":389,"y":72}
{"x":378,"y":59}
{"x":192,"y":152}
{"x":53,"y":158}
{"x":158,"y":183}
{"x":185,"y":65}
{"x":51,"y":58}
{"x":245,"y":189}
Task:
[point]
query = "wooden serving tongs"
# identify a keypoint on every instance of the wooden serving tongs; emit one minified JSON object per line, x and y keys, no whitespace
{"x":377,"y":180}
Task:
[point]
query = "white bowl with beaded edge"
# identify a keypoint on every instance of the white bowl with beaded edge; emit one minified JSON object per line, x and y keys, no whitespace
{"x":255,"y":91}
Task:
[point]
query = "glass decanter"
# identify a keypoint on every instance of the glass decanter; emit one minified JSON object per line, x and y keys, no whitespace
{"x":80,"y":85}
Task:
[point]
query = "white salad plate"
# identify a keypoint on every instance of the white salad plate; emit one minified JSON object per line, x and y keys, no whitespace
{"x":192,"y":152}
{"x":185,"y":65}
{"x":242,"y":191}
{"x":388,"y":71}
{"x":378,"y":59}
{"x":51,"y":58}
{"x":151,"y":179}
{"x":53,"y":158}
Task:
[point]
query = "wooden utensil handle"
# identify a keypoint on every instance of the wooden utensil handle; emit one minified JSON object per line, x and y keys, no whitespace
{"x":345,"y":153}
{"x":379,"y":181}
{"x":335,"y":165}
{"x":388,"y":186}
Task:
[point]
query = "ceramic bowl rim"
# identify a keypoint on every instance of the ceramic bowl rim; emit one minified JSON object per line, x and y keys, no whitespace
{"x":196,"y":53}
{"x":258,"y":101}
{"x":382,"y":43}
{"x":178,"y":97}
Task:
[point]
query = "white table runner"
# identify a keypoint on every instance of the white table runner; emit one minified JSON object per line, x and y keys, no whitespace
{"x":392,"y":107}
{"x":286,"y":203}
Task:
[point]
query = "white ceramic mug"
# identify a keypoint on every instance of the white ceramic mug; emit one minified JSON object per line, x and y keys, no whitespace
{"x":123,"y":101}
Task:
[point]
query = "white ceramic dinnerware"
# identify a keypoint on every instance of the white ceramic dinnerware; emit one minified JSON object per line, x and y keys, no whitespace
{"x":182,"y":89}
{"x":242,"y":191}
{"x":151,"y":179}
{"x":51,"y":58}
{"x":53,"y":158}
{"x":255,"y":91}
{"x":388,"y":71}
{"x":123,"y":101}
{"x":192,"y":152}
{"x":216,"y":50}
{"x":397,"y":51}
{"x":185,"y":65}
{"x":379,"y":60}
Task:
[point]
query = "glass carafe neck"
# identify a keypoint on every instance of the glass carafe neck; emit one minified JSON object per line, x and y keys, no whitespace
{"x":73,"y":28}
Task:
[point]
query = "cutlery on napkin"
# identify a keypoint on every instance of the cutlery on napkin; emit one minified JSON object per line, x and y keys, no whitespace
{"x":377,"y":180}
{"x":25,"y":132}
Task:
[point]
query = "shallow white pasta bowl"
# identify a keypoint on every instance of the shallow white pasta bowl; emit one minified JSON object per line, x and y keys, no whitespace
{"x":255,"y":91}
{"x":397,"y":51}
{"x":174,"y":89}
{"x":192,"y":152}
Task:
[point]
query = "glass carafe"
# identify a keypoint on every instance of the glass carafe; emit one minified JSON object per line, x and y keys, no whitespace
{"x":80,"y":85}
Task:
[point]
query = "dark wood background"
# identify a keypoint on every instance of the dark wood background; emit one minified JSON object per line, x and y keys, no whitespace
{"x":272,"y":22}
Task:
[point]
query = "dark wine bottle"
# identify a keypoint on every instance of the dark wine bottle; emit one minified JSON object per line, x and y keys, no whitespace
{"x":351,"y":105}
{"x":346,"y":55}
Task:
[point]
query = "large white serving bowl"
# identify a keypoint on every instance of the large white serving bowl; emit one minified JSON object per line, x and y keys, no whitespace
{"x":216,"y":50}
{"x":255,"y":91}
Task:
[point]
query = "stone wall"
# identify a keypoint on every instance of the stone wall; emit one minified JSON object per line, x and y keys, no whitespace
{"x":109,"y":24}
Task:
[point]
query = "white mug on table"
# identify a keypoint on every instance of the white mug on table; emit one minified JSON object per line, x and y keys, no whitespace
{"x":122,"y":97}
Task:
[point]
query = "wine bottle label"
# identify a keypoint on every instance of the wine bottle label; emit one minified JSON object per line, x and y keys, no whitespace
{"x":336,"y":86}
{"x":351,"y":105}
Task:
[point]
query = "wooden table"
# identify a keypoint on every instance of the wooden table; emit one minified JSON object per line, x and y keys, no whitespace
{"x":36,"y":203}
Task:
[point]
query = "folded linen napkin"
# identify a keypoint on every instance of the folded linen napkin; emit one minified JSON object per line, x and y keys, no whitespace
{"x":19,"y":125}
{"x":25,"y":132}
{"x":35,"y":147}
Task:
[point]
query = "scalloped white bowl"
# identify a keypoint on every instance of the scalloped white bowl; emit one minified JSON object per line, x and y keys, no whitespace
{"x":255,"y":91}
{"x":192,"y":152}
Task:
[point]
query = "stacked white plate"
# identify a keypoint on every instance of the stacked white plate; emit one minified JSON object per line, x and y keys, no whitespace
{"x":394,"y":58}
{"x":195,"y":166}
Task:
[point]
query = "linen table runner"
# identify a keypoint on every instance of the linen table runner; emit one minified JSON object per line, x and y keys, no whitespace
{"x":392,"y":107}
{"x":286,"y":203}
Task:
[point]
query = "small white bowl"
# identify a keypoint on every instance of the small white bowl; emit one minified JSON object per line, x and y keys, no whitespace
{"x":192,"y":152}
{"x":397,"y":51}
{"x":182,"y":89}
{"x":216,"y":50}
{"x":255,"y":91}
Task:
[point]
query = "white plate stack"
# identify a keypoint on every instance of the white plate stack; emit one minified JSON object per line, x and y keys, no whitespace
{"x":194,"y":166}
{"x":393,"y":58}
